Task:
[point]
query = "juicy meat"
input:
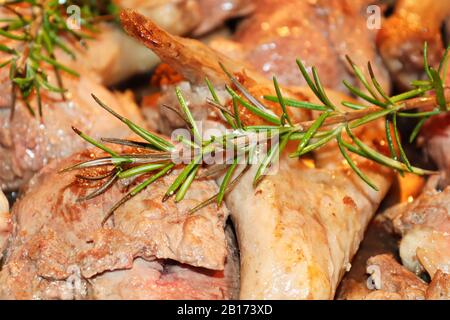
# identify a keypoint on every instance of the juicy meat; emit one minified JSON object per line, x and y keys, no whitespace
{"x":389,"y":281}
{"x":439,"y":288}
{"x":61,"y":240}
{"x":302,"y":243}
{"x":395,"y":280}
{"x":403,"y":34}
{"x":425,"y":228}
{"x":5,"y":223}
{"x":320,"y":33}
{"x":170,"y":280}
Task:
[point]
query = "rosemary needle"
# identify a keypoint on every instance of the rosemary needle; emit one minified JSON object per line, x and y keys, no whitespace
{"x":310,"y":135}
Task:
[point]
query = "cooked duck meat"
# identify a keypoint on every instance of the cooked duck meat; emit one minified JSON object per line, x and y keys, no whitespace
{"x":61,"y":244}
{"x":5,"y":223}
{"x":425,"y":228}
{"x":320,"y":33}
{"x":389,"y":281}
{"x":171,"y":280}
{"x":302,"y":243}
{"x":439,"y":288}
{"x":288,"y":253}
{"x":403,"y":34}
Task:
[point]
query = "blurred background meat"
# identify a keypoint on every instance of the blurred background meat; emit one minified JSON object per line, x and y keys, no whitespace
{"x":215,"y":12}
{"x":320,"y":33}
{"x":123,"y":56}
{"x":403,"y":34}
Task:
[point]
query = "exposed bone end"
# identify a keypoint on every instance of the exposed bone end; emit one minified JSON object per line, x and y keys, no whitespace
{"x":191,"y":58}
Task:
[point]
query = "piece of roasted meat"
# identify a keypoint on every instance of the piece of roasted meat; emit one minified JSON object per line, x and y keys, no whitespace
{"x":148,"y":249}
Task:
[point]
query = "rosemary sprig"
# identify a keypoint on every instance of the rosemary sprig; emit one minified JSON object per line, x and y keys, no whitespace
{"x":330,"y":125}
{"x":32,"y":33}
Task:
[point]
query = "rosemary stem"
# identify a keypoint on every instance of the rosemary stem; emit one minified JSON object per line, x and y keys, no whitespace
{"x":427,"y":103}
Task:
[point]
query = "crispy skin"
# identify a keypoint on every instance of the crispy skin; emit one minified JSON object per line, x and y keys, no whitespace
{"x":60,"y":236}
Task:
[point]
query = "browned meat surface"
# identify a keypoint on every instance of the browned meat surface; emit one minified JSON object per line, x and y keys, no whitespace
{"x":61,"y":240}
{"x":439,"y":288}
{"x":320,"y":33}
{"x":170,"y":280}
{"x":195,"y":17}
{"x":403,"y":34}
{"x":395,"y":280}
{"x":302,"y":244}
{"x":389,"y":281}
{"x":425,"y":228}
